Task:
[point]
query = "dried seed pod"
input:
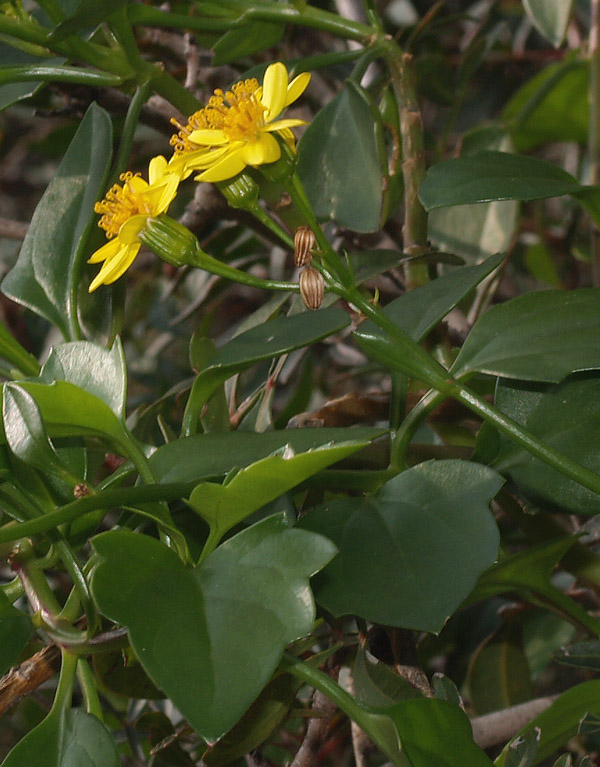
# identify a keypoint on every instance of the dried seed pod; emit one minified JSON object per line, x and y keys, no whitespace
{"x":312,"y":287}
{"x":304,"y":242}
{"x":81,"y":489}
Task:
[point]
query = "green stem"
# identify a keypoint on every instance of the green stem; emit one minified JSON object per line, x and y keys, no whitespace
{"x":66,"y":680}
{"x":87,"y":682}
{"x":265,"y":219}
{"x":409,"y":426}
{"x":129,"y":496}
{"x":594,"y":127}
{"x":13,"y":590}
{"x":214,"y":266}
{"x":413,"y":164}
{"x":129,"y":127}
{"x":79,"y":583}
{"x":59,"y":74}
{"x":173,"y":91}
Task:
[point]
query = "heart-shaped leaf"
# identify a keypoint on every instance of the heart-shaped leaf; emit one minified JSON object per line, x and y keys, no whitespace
{"x":211,"y":636}
{"x":397,"y":547}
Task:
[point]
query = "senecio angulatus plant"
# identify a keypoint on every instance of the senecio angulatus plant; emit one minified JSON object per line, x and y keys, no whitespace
{"x":300,"y":396}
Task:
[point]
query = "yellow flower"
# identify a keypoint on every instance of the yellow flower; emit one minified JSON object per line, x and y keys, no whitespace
{"x":125,"y":210}
{"x":236,"y":128}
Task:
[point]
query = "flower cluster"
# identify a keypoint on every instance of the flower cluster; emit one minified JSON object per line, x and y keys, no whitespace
{"x":236,"y":129}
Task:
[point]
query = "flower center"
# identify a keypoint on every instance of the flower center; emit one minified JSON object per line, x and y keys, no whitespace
{"x":119,"y":205}
{"x":238,"y":113}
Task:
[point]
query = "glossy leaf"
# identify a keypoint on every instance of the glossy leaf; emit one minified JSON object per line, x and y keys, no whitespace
{"x":435,"y":732}
{"x":540,"y":336}
{"x":73,"y":738}
{"x":420,"y":310}
{"x":528,"y":574}
{"x":224,"y":506}
{"x":11,"y":93}
{"x":490,"y":176}
{"x":90,"y":367}
{"x":243,"y":41}
{"x":521,"y":752}
{"x":266,"y":713}
{"x":550,"y":18}
{"x":580,"y":655}
{"x":15,"y":631}
{"x":46,"y":275}
{"x":12,"y":351}
{"x":376,"y":684}
{"x":499,"y":675}
{"x":89,"y":13}
{"x":264,"y":342}
{"x":340,"y":163}
{"x":211,"y":636}
{"x":121,"y":672}
{"x":560,"y":722}
{"x":26,"y":434}
{"x":565,"y":416}
{"x":397,"y":547}
{"x":552,"y":106}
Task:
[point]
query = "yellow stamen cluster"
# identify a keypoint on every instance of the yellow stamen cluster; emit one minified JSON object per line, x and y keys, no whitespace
{"x":119,"y":205}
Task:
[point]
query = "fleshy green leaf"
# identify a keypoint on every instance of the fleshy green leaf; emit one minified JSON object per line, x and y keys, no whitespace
{"x":74,"y":738}
{"x":540,"y":336}
{"x":565,"y":416}
{"x":90,"y":367}
{"x":211,"y":636}
{"x":550,"y":18}
{"x":560,"y":722}
{"x":490,"y":176}
{"x":15,"y":630}
{"x":397,"y":547}
{"x":12,"y":350}
{"x":47,"y":273}
{"x":340,"y":162}
{"x":224,"y":506}
{"x":89,"y":13}
{"x":580,"y":655}
{"x":243,"y":41}
{"x":212,"y":455}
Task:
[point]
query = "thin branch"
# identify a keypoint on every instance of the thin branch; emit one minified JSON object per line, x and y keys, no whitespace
{"x":26,"y":678}
{"x":499,"y":726}
{"x":316,"y":732}
{"x":13,"y":230}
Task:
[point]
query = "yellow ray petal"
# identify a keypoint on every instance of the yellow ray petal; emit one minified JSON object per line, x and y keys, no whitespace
{"x":265,"y":149}
{"x":226,"y":168}
{"x":130,"y":230}
{"x":156,"y":169}
{"x":297,"y":87}
{"x":107,"y":251}
{"x":274,"y":92}
{"x":114,"y":266}
{"x":169,"y":190}
{"x":282,"y":124}
{"x":208,"y":137}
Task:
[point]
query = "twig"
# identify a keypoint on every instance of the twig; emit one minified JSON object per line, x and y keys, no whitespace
{"x":316,"y":732}
{"x":13,"y":230}
{"x":27,"y":677}
{"x":498,"y":727}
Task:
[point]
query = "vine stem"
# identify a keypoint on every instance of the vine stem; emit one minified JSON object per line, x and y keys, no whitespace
{"x":66,"y":679}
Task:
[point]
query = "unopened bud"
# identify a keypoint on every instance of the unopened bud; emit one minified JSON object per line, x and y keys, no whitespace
{"x":172,"y":241}
{"x":304,"y":242}
{"x":240,"y":193}
{"x":312,"y":287}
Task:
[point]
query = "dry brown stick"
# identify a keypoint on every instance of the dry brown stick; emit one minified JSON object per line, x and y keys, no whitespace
{"x":499,"y":726}
{"x":26,"y":678}
{"x":316,"y":732}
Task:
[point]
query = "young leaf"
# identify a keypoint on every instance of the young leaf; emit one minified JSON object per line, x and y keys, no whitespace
{"x":550,"y":18}
{"x":46,"y":276}
{"x":397,"y":547}
{"x":211,"y":636}
{"x":243,"y":41}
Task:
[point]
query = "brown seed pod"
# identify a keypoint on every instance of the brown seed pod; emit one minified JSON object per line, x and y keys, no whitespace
{"x":81,"y":489}
{"x":304,"y":242}
{"x":312,"y":287}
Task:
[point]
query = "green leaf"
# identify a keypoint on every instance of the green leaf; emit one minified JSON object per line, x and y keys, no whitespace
{"x":528,"y":574}
{"x":375,"y":684}
{"x":499,"y":675}
{"x":26,"y":434}
{"x":435,"y":732}
{"x":552,"y":106}
{"x":521,"y":752}
{"x":12,"y":351}
{"x":397,"y":547}
{"x":224,"y":506}
{"x":264,"y":342}
{"x":93,"y":368}
{"x":490,"y":176}
{"x":420,"y":310}
{"x":341,"y":164}
{"x":580,"y":655}
{"x":550,"y":18}
{"x":243,"y":41}
{"x":89,"y":13}
{"x":211,"y":636}
{"x":565,"y":416}
{"x":71,"y":738}
{"x":15,"y":630}
{"x":266,"y":713}
{"x":540,"y":336}
{"x":560,"y":722}
{"x":120,"y":671}
{"x":46,"y":275}
{"x":11,"y":93}
{"x":212,"y":455}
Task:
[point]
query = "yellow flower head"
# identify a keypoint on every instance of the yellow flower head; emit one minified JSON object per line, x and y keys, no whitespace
{"x":124,"y":211}
{"x":236,"y":128}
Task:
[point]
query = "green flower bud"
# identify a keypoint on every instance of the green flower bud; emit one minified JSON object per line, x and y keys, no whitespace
{"x":242,"y":192}
{"x":172,"y":242}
